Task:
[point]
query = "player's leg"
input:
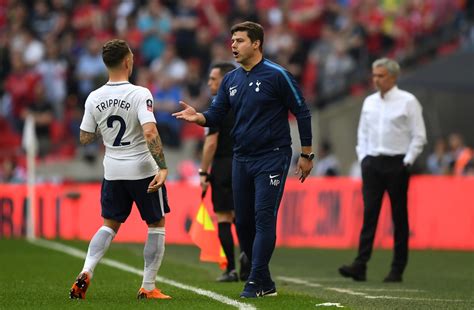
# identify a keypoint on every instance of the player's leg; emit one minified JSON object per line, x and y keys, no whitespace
{"x":116,"y":206}
{"x":270,"y":177}
{"x":153,"y":208}
{"x":223,"y":204}
{"x":99,"y":244}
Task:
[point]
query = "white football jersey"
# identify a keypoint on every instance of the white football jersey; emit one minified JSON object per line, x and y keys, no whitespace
{"x":120,"y":109}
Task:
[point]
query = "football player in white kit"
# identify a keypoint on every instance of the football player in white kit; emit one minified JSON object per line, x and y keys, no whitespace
{"x":134,"y":166}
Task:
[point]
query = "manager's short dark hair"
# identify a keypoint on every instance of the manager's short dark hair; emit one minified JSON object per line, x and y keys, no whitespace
{"x":254,"y":31}
{"x":223,"y":67}
{"x":114,"y":51}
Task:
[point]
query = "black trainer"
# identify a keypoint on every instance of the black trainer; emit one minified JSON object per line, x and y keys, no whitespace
{"x":228,"y":276}
{"x":244,"y":267}
{"x":354,"y":271}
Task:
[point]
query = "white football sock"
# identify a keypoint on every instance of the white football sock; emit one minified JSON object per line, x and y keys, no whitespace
{"x":153,"y":255}
{"x":97,"y":248}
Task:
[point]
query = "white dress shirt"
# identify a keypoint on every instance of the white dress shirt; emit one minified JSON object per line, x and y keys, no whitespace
{"x":391,"y":125}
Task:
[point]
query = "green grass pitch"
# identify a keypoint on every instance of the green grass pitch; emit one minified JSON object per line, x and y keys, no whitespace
{"x":33,"y":277}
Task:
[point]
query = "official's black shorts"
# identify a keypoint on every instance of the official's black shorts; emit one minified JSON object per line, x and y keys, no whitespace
{"x":221,"y":182}
{"x":117,"y":198}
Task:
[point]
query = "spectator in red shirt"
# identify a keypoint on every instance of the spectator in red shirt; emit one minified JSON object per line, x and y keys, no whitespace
{"x":18,"y":85}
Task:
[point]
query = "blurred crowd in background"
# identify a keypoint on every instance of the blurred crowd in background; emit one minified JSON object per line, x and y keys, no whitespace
{"x":50,"y":55}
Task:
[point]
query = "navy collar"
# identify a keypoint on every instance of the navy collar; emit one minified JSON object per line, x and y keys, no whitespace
{"x":258,"y":65}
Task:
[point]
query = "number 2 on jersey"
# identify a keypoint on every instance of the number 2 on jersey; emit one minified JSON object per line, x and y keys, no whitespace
{"x":110,"y":123}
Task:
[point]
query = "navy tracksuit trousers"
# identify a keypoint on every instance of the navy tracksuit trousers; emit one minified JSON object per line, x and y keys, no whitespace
{"x":258,"y":185}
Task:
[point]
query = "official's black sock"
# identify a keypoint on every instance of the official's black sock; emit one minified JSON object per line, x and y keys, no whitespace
{"x":227,"y":242}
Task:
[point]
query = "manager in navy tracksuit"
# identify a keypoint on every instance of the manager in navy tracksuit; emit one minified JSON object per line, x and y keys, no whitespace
{"x":260,"y":93}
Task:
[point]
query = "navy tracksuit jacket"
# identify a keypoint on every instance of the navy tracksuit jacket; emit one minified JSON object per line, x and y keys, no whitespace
{"x":260,"y":99}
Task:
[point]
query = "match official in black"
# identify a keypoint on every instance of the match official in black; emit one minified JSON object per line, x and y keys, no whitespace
{"x":217,"y":152}
{"x":390,"y":136}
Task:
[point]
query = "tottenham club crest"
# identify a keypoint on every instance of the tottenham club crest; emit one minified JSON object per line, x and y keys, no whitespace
{"x":257,"y":85}
{"x":257,"y":89}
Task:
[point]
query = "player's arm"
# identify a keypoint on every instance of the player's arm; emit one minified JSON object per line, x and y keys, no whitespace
{"x":155,"y":146}
{"x":146,"y":118}
{"x":89,"y":131}
{"x":208,"y":152}
{"x":154,"y":143}
{"x":86,"y":137}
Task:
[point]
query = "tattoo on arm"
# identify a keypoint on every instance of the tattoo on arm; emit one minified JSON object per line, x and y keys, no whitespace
{"x":156,"y":149}
{"x":88,"y":137}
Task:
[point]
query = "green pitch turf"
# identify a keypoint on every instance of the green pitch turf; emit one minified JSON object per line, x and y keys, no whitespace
{"x":39,"y":278}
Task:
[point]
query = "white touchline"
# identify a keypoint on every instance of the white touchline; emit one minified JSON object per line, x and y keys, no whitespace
{"x":364,"y":295}
{"x":338,"y":279}
{"x":345,"y":291}
{"x":113,"y":263}
{"x":414,"y":298}
{"x":330,"y":304}
{"x":404,"y":290}
{"x":299,"y":281}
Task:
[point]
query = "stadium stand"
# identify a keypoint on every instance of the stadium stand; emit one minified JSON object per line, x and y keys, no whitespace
{"x":327,"y":44}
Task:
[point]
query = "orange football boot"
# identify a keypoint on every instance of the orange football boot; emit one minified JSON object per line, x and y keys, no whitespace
{"x":79,"y":288}
{"x":153,"y":294}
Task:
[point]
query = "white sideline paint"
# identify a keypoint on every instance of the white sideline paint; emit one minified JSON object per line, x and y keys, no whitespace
{"x":414,"y":298}
{"x":345,"y":291}
{"x":338,"y":279}
{"x":330,"y":304}
{"x":405,"y":290}
{"x":300,"y":281}
{"x":364,"y":295}
{"x":124,"y":267}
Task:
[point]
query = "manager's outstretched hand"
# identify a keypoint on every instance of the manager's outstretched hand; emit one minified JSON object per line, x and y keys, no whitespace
{"x":189,"y":114}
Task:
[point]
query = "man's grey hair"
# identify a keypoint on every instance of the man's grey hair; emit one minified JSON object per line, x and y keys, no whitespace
{"x":391,"y":65}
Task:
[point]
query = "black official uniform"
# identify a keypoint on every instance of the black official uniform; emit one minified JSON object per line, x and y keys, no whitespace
{"x":221,"y":171}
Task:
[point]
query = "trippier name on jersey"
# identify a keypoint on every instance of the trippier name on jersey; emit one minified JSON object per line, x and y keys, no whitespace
{"x":112,"y":102}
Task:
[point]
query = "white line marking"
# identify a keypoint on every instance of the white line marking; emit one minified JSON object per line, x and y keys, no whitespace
{"x":113,"y":263}
{"x":345,"y":291}
{"x":299,"y":281}
{"x":352,"y":292}
{"x":330,"y":304}
{"x":407,"y":290}
{"x":338,"y":279}
{"x":415,"y":298}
